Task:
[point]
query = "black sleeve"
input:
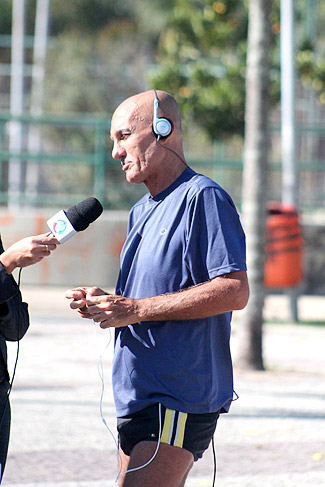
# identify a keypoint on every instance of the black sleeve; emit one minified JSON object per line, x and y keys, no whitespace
{"x":14,"y":319}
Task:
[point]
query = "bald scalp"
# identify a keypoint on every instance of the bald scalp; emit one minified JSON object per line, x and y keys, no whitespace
{"x":141,"y":107}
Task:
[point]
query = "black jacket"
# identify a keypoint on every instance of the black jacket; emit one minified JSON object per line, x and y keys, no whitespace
{"x":14,"y":319}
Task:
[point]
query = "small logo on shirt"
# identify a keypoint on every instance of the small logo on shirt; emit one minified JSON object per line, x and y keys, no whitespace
{"x":163,"y":231}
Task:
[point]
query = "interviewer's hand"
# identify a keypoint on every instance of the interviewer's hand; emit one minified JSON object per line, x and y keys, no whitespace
{"x":28,"y":251}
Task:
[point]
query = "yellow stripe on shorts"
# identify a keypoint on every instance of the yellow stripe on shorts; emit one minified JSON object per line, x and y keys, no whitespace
{"x":180,"y":430}
{"x":165,"y":435}
{"x":174,"y":428}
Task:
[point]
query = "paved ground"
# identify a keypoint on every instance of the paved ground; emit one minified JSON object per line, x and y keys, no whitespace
{"x":273,"y":437}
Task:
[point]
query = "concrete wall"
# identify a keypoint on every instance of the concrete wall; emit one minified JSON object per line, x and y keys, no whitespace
{"x":89,"y":258}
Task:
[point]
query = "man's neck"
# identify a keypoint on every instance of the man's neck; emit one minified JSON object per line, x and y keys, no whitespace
{"x":160,"y":183}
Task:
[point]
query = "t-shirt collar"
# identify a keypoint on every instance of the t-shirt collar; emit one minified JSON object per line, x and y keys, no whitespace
{"x":186,"y":175}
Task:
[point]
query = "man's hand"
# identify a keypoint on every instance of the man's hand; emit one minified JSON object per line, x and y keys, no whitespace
{"x":28,"y":251}
{"x":79,"y":301}
{"x":112,"y":311}
{"x":109,"y":310}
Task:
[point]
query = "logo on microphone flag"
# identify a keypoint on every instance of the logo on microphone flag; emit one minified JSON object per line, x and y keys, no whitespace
{"x":61,"y":227}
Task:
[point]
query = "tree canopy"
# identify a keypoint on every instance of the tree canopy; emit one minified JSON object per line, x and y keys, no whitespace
{"x":202,"y":58}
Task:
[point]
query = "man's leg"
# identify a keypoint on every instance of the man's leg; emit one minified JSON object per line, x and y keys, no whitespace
{"x":169,"y":468}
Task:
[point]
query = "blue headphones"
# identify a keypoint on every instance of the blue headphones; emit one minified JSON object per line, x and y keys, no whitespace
{"x":161,"y":126}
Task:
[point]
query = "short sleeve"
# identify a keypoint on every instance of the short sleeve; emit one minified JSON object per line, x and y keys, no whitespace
{"x":215,"y":238}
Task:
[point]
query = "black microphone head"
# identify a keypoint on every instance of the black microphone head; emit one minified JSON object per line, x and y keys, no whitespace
{"x":84,"y":213}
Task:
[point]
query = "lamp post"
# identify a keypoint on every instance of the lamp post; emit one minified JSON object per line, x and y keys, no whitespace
{"x":16,"y":102}
{"x":290,"y":173}
{"x":36,"y":95}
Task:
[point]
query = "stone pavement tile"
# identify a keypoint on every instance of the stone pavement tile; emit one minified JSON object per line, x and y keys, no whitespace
{"x":310,"y":308}
{"x":84,"y":483}
{"x":52,"y":466}
{"x":310,"y":479}
{"x":287,"y":480}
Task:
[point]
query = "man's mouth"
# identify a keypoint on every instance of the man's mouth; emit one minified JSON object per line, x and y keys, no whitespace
{"x":125,"y":165}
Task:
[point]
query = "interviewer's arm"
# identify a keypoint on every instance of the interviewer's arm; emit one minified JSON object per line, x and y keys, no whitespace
{"x":14,"y":319}
{"x":28,"y":251}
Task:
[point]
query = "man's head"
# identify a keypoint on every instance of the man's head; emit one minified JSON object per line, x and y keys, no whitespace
{"x":143,"y":158}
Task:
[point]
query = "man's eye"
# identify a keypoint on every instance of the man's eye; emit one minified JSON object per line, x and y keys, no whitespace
{"x":125,"y":136}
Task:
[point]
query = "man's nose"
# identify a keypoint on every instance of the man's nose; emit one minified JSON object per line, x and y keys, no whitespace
{"x":118,"y":151}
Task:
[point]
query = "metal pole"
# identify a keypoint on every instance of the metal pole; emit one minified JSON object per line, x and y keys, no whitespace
{"x":288,"y":122}
{"x":16,"y":102}
{"x":37,"y":91}
{"x":290,"y":187}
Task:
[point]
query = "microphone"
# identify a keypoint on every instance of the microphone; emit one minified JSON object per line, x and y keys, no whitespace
{"x":65,"y":225}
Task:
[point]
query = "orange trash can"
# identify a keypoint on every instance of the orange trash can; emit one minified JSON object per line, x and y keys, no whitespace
{"x":284,"y":247}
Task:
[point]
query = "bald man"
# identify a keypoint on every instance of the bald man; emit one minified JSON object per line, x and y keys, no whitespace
{"x":182,"y":273}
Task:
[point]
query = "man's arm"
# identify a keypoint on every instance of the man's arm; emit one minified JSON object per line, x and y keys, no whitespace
{"x":219,"y":295}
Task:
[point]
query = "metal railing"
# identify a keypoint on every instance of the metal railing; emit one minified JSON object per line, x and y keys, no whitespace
{"x":91,"y":153}
{"x":74,"y":161}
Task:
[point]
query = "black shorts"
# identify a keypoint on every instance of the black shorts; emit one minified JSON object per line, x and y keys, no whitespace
{"x":190,"y":431}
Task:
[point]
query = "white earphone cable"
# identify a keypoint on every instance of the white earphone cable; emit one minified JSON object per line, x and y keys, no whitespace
{"x":173,"y":151}
{"x":101,"y":375}
{"x":155,"y":452}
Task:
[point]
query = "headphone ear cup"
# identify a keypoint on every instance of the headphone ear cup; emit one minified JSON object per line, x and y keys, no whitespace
{"x":160,"y":126}
{"x":163,"y":127}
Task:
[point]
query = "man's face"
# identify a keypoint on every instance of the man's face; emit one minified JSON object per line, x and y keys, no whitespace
{"x":134,"y":143}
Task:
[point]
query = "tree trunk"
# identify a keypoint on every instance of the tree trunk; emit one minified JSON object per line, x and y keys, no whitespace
{"x":255,"y":179}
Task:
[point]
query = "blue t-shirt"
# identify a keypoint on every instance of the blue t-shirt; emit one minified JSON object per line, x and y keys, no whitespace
{"x":186,"y":235}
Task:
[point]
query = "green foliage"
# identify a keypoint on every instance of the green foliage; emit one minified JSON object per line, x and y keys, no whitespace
{"x":87,"y":15}
{"x":311,"y":68}
{"x":5,"y":16}
{"x":202,"y":56}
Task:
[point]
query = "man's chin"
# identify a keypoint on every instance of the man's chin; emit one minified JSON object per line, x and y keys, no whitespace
{"x":132,"y":178}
